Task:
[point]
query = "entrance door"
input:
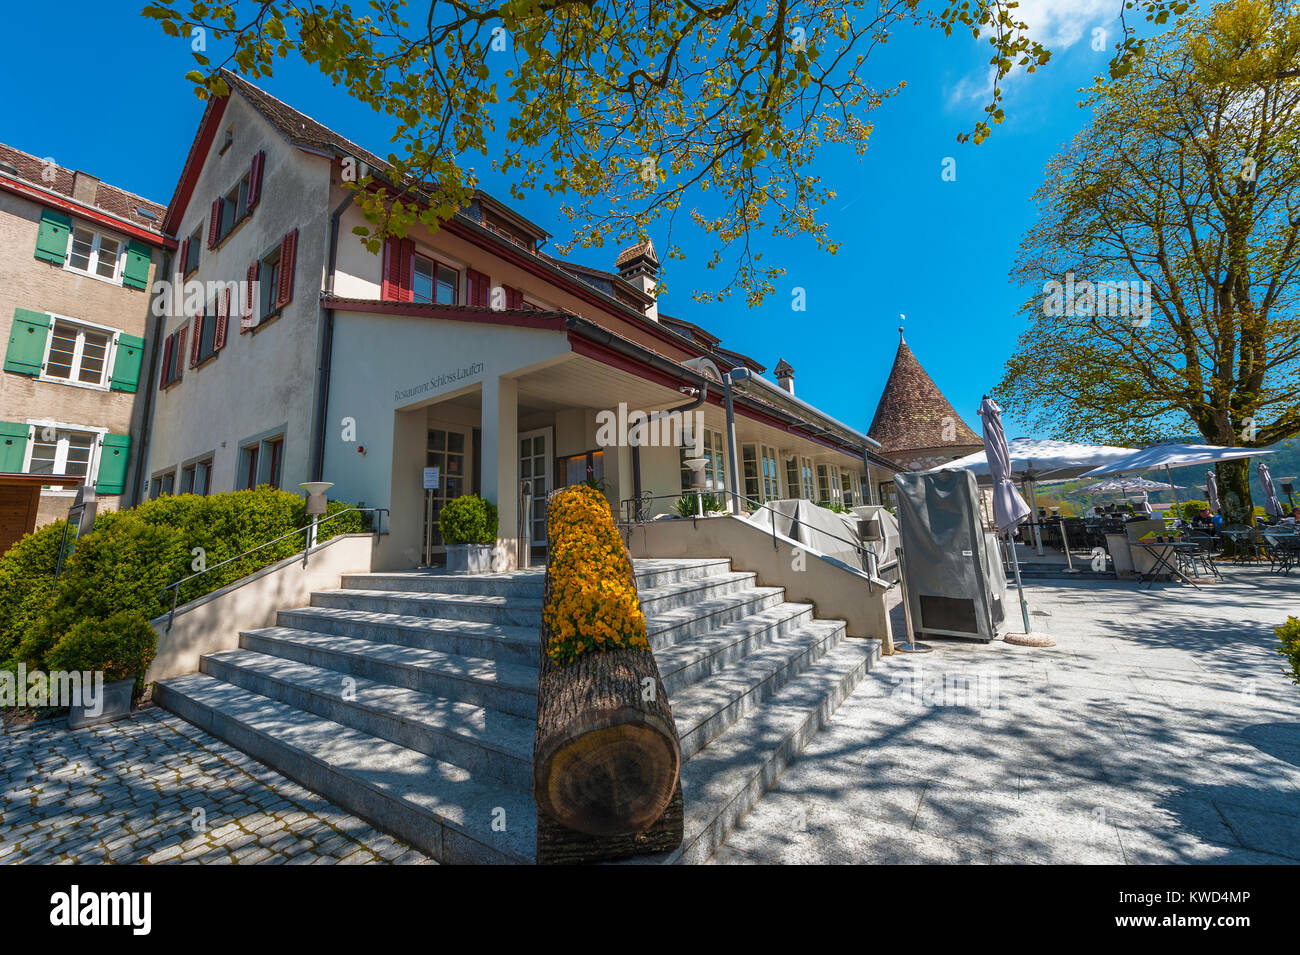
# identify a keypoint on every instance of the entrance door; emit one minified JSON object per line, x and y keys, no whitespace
{"x":535,"y":466}
{"x":446,"y":452}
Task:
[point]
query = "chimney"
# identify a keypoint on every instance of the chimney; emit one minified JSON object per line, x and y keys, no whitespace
{"x":84,"y":187}
{"x":785,"y":376}
{"x":639,"y":266}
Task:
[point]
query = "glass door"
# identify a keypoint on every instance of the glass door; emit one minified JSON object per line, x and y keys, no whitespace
{"x":446,"y":452}
{"x":535,"y":466}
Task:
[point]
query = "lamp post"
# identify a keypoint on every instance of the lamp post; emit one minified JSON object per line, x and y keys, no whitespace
{"x":316,"y":506}
{"x":697,"y":482}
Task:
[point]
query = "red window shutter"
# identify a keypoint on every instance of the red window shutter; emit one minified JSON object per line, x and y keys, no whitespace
{"x":185,"y":255}
{"x":406,"y":262}
{"x":477,"y":287}
{"x":255,"y":179}
{"x":198,"y":336}
{"x":514,"y":298}
{"x":179,"y":351}
{"x":165,"y":377}
{"x":390,"y":283}
{"x":223,"y":319}
{"x":250,"y":298}
{"x":215,"y":224}
{"x":288,"y":253}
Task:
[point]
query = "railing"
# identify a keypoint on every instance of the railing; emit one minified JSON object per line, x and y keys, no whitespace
{"x":309,"y":530}
{"x":638,"y":517}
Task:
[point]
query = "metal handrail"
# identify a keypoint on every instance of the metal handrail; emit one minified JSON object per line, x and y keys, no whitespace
{"x":308,"y":529}
{"x":858,"y":545}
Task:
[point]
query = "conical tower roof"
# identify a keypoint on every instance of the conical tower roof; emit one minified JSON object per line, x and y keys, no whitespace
{"x":913,"y":414}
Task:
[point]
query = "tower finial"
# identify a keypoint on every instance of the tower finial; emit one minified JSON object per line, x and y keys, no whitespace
{"x":901,"y":319}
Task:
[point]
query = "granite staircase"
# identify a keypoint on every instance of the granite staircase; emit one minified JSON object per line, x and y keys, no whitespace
{"x":409,"y":698}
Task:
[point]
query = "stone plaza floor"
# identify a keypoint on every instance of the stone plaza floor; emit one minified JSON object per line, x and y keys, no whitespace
{"x":1159,"y":729}
{"x":156,"y":789}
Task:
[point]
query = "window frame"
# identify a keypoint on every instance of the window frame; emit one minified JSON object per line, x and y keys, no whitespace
{"x":437,"y":265}
{"x":195,"y":246}
{"x":110,"y":353}
{"x":61,"y":450}
{"x":242,"y":210}
{"x":92,"y":261}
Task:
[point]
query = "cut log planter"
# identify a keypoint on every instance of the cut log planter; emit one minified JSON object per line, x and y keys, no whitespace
{"x":606,"y":757}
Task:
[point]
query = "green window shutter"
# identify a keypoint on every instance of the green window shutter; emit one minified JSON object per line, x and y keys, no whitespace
{"x":13,"y":446}
{"x":52,"y":240}
{"x":114,"y":455}
{"x":27,"y":338}
{"x":126,"y":366}
{"x":138,"y":257}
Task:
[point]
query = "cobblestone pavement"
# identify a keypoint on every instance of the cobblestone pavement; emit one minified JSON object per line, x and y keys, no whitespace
{"x":1159,"y":729}
{"x":156,"y":789}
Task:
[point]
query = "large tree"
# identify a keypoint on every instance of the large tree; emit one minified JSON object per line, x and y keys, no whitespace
{"x":631,"y":111}
{"x":1187,"y":182}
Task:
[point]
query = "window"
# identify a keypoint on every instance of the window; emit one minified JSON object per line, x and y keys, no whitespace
{"x":799,"y":477}
{"x":175,"y":355}
{"x":93,"y":253}
{"x":77,"y":353}
{"x":207,"y":332}
{"x":714,"y":470}
{"x":434,"y":282}
{"x":268,"y":278}
{"x":59,"y":451}
{"x":192,"y":251}
{"x":234,"y":208}
{"x":888,"y":494}
{"x":275,"y":455}
{"x":161,"y":484}
{"x":196,"y":477}
{"x":760,"y":470}
{"x":579,"y":468}
{"x":828,"y":485}
{"x":248,"y":466}
{"x":446,"y":452}
{"x":846,"y":488}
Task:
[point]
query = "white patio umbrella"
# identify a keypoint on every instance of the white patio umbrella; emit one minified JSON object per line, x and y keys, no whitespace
{"x":1272,"y":506}
{"x":1212,"y":491}
{"x":1034,"y":460}
{"x":1009,"y":508}
{"x":1169,"y":456}
{"x":1123,"y":486}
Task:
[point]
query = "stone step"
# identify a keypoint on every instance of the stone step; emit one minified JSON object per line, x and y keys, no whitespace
{"x":682,"y":664}
{"x":667,"y":627}
{"x":468,"y":638}
{"x":480,"y":608}
{"x":690,"y":593}
{"x":723,"y":781}
{"x":707,"y":708}
{"x":506,"y":687}
{"x":490,"y":744}
{"x":441,"y":809}
{"x":652,"y":572}
{"x":522,"y":583}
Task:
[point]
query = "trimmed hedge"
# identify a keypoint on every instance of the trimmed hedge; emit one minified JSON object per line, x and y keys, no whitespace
{"x":123,"y":564}
{"x":468,"y":520}
{"x":1288,"y":636}
{"x":592,"y":605}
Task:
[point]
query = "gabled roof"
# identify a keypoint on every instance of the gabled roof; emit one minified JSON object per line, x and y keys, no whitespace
{"x":913,"y":414}
{"x":127,"y":206}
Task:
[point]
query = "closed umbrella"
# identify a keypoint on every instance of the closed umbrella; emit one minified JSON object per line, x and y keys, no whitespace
{"x":1272,"y":506}
{"x":1009,"y":508}
{"x":1212,"y":491}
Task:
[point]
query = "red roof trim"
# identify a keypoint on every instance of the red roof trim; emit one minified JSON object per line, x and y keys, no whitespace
{"x":207,"y":132}
{"x":72,"y":207}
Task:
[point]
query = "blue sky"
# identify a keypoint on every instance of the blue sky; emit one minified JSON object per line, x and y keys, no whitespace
{"x":938,"y":251}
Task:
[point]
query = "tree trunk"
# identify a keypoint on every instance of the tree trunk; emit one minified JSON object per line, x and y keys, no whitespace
{"x":1234,"y":491}
{"x":606,"y":757}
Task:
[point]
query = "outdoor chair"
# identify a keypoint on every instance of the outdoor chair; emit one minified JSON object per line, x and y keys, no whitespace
{"x":1208,"y":549}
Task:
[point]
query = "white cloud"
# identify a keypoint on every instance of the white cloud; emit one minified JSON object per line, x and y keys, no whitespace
{"x":1058,"y":25}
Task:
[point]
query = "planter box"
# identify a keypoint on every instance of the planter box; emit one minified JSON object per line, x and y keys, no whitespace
{"x":116,"y":705}
{"x":469,"y":558}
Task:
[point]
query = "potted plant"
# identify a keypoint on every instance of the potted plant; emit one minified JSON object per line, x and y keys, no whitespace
{"x":469,"y":529}
{"x":118,"y":649}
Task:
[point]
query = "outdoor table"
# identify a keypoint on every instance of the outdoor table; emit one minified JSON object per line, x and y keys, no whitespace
{"x":1162,"y":554}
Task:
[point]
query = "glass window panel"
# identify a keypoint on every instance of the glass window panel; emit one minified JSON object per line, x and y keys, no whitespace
{"x":448,"y":280}
{"x":83,"y":243}
{"x":43,"y":455}
{"x":456,"y":442}
{"x":422,"y":279}
{"x":437,"y":440}
{"x":79,"y":446}
{"x":106,"y":264}
{"x":63,"y":344}
{"x":94,"y":350}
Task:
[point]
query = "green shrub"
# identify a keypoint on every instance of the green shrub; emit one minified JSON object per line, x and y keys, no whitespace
{"x":27,"y":583}
{"x":1288,"y":636}
{"x":468,"y":520}
{"x":686,"y":504}
{"x":121,"y":645}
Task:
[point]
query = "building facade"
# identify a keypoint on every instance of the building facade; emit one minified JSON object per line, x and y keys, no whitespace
{"x":78,"y":258}
{"x":298,"y":354}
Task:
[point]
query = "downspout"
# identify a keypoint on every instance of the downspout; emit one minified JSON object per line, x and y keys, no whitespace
{"x":326,"y":353}
{"x":146,"y":419}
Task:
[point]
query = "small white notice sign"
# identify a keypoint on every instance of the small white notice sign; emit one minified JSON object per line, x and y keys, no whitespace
{"x":431,"y":479}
